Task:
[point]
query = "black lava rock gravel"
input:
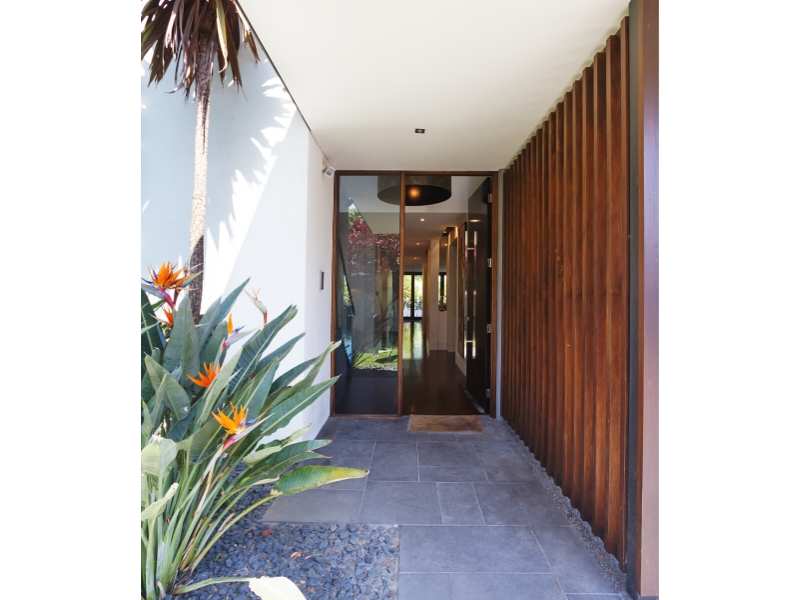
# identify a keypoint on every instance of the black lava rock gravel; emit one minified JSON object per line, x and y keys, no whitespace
{"x":325,"y":560}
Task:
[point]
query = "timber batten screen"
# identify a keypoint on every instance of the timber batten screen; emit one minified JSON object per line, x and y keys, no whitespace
{"x":565,"y":292}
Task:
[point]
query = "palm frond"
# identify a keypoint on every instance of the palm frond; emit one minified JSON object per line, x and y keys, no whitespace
{"x":179,"y":33}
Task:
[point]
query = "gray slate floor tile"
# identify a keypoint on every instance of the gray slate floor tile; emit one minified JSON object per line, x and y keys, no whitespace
{"x":319,"y":505}
{"x":504,"y":461}
{"x":577,"y":570}
{"x":328,"y":430}
{"x":446,"y":454}
{"x":488,"y":451}
{"x":459,"y":504}
{"x":506,"y":586}
{"x":496,"y":430}
{"x":394,"y":461}
{"x":424,"y":586}
{"x":517,"y":504}
{"x":400,"y":502}
{"x":441,"y":488}
{"x":456,"y":473}
{"x":470,"y":549}
{"x":350,"y":453}
{"x":374,"y":430}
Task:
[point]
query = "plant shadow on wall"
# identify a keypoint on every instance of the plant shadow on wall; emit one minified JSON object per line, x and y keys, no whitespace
{"x":208,"y":423}
{"x":250,"y":132}
{"x":256,"y":160}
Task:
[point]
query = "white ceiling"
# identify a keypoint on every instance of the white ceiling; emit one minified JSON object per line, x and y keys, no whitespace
{"x":478,"y":75}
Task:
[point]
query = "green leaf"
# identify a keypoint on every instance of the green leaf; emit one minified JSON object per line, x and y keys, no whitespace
{"x":259,"y":391}
{"x":280,"y":353}
{"x":157,"y":507}
{"x":215,"y":315}
{"x":152,"y":336}
{"x":180,"y":429}
{"x":147,"y":423}
{"x":157,"y":456}
{"x":254,"y":347}
{"x":156,"y":411}
{"x":176,"y":397}
{"x":200,"y":439}
{"x":282,"y":383}
{"x":284,"y":451}
{"x":289,"y":376}
{"x":259,"y":455}
{"x":174,"y":351}
{"x":314,"y":476}
{"x":297,"y":400}
{"x":211,"y":351}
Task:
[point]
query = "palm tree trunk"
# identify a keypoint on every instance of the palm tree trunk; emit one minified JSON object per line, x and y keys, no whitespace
{"x":200,"y":186}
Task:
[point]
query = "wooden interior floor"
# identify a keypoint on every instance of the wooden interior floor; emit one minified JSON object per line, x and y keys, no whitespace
{"x":432,"y":383}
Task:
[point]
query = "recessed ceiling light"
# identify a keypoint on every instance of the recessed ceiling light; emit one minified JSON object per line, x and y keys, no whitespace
{"x":422,"y":219}
{"x":419,"y":130}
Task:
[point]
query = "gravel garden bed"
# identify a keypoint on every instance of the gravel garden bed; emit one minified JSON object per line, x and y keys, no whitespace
{"x":325,"y":560}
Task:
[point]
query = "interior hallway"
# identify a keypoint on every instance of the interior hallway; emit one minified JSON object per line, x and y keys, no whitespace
{"x":432,"y":383}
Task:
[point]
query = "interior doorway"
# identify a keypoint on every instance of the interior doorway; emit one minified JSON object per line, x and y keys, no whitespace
{"x":413,"y":293}
{"x":412,"y":296}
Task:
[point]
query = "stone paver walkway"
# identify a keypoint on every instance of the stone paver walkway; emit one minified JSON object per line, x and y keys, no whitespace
{"x":477,"y":520}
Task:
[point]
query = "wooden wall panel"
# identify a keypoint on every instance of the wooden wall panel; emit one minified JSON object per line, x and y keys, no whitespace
{"x":565,"y":293}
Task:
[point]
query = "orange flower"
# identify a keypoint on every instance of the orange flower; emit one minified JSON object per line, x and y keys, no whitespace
{"x":230,"y":323}
{"x":233,"y":424}
{"x":204,"y":379}
{"x":169,"y":318}
{"x":169,"y":277}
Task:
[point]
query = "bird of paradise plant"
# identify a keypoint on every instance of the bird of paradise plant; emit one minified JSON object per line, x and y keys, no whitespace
{"x":206,"y":376}
{"x":199,"y":459}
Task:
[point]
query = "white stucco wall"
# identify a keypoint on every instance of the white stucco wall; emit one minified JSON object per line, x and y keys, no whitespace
{"x":269,"y":205}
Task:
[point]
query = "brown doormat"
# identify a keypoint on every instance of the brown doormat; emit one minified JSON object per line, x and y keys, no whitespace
{"x":445,"y":423}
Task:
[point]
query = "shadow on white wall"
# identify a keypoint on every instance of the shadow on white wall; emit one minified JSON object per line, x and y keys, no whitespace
{"x":265,"y":196}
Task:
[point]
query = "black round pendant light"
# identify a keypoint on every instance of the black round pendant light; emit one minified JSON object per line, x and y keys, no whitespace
{"x":421,"y":190}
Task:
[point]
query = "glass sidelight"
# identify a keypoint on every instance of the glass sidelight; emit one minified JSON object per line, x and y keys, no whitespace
{"x":368,"y":280}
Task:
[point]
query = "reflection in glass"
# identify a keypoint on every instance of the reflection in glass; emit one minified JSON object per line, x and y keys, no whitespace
{"x":412,"y":296}
{"x":368,"y":278}
{"x":434,"y":344}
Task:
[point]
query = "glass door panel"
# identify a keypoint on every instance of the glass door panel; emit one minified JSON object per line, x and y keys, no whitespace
{"x":367,"y":286}
{"x":477,"y":302}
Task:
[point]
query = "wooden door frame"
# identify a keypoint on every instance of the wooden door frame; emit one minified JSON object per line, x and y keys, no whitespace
{"x":493,"y":275}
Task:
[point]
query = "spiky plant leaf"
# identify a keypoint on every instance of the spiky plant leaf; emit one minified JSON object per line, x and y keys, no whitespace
{"x":157,"y":507}
{"x":313,"y":476}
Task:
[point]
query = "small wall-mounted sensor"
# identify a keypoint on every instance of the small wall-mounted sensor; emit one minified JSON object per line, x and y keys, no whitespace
{"x":322,"y":280}
{"x":329,"y":170}
{"x":419,"y":130}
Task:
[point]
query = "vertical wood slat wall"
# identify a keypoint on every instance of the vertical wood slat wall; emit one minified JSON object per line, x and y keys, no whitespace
{"x":565,"y":292}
